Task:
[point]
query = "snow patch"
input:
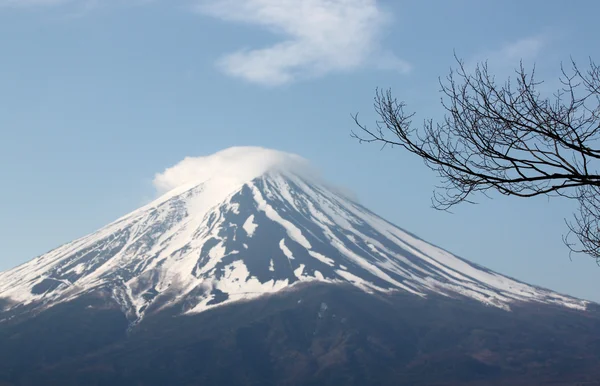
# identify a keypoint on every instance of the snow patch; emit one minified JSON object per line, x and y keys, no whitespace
{"x":322,"y":258}
{"x":286,"y":251}
{"x":250,"y":226}
{"x":298,"y":271}
{"x":237,"y":282}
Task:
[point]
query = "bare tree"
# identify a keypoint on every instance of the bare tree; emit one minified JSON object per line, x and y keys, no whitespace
{"x":507,"y":137}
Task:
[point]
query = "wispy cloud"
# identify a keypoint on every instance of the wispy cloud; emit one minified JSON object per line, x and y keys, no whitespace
{"x":318,"y":37}
{"x":508,"y":56}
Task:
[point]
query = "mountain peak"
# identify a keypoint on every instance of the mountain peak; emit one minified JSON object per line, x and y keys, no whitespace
{"x":236,"y":164}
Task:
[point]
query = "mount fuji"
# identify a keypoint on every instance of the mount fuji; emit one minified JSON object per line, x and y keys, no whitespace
{"x":240,"y":228}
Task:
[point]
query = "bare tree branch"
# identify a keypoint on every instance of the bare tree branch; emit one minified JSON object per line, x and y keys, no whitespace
{"x":509,"y":139}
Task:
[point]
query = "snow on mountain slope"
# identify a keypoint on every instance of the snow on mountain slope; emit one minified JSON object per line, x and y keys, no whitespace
{"x":246,"y":222}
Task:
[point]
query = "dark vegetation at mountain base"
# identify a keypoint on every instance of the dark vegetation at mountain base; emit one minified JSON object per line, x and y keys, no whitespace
{"x":316,"y":335}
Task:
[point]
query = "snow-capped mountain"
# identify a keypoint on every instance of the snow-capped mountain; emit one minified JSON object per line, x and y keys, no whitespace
{"x":251,"y":222}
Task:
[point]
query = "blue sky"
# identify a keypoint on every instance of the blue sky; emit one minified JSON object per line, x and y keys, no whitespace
{"x":96,"y":97}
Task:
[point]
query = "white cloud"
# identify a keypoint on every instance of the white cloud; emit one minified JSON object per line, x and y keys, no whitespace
{"x":319,"y":37}
{"x":236,"y":163}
